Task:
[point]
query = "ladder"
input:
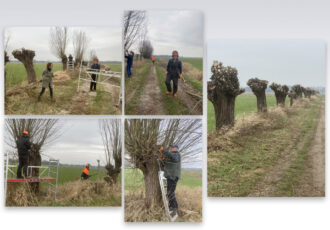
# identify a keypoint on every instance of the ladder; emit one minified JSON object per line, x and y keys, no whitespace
{"x":163,"y":188}
{"x":70,"y":66}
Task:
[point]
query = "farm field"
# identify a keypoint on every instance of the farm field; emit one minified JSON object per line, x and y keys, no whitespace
{"x":145,"y":91}
{"x":22,"y":98}
{"x":188,"y":193}
{"x":245,"y":104}
{"x":71,"y":190}
{"x":275,"y":154}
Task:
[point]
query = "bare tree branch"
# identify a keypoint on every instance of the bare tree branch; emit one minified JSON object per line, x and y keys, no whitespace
{"x":58,"y":41}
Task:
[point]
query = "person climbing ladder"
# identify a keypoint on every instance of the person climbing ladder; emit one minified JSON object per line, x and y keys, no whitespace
{"x":173,"y":73}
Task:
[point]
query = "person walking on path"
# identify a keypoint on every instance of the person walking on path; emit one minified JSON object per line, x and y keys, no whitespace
{"x":173,"y":73}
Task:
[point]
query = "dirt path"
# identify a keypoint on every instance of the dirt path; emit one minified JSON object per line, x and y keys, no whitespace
{"x":150,"y":102}
{"x":313,"y":178}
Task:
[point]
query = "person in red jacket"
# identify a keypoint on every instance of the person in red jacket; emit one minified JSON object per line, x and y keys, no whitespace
{"x":153,"y":60}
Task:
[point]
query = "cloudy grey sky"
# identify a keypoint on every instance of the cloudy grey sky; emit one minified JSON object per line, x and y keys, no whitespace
{"x":80,"y":142}
{"x":106,"y":41}
{"x":282,"y":61}
{"x":176,"y":30}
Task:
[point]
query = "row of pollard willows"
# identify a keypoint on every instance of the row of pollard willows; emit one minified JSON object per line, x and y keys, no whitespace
{"x":224,"y":87}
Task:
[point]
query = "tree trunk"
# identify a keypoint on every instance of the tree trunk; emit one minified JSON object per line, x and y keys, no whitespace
{"x":34,"y":160}
{"x":224,"y":108}
{"x":26,"y":57}
{"x":64,"y":62}
{"x":153,"y":195}
{"x":261,"y":101}
{"x":280,"y":99}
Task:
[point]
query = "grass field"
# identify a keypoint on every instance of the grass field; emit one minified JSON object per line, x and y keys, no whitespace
{"x":237,"y":164}
{"x":134,"y":179}
{"x":195,"y":62}
{"x":21,"y":98}
{"x":245,"y":104}
{"x":16,"y":74}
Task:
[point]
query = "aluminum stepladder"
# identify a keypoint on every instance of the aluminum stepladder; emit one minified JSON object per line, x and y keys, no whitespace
{"x":163,"y":188}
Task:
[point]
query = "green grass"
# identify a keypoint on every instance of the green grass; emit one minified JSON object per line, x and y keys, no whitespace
{"x":134,"y":179}
{"x":195,"y":62}
{"x":73,"y":173}
{"x":286,"y":186}
{"x":136,"y":82}
{"x":172,"y":106}
{"x":245,"y":104}
{"x":23,"y":99}
{"x":239,"y":163}
{"x":16,"y":74}
{"x":116,"y":67}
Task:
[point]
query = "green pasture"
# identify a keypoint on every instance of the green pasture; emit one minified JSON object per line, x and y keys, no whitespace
{"x":134,"y":179}
{"x":245,"y":104}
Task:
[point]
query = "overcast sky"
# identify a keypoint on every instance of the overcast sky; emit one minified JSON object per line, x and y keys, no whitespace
{"x":80,"y":142}
{"x":106,"y":41}
{"x":176,"y":30}
{"x":281,"y":61}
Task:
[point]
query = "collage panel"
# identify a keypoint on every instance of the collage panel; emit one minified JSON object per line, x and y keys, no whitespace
{"x":63,"y":162}
{"x":63,"y":70}
{"x":163,"y":62}
{"x":163,"y":170}
{"x":266,"y":118}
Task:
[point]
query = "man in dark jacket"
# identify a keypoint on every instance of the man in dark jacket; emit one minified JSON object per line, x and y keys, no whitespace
{"x":95,"y":67}
{"x":129,"y":56}
{"x":70,"y":58}
{"x":173,"y":73}
{"x":85,"y":173}
{"x":23,"y":147}
{"x":171,"y":160}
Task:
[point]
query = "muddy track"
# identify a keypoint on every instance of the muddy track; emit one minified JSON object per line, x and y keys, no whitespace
{"x":312,"y":182}
{"x":267,"y":186}
{"x":185,"y":91}
{"x":150,"y":101}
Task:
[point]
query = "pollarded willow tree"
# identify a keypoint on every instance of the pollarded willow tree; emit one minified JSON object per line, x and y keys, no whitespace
{"x":41,"y":132}
{"x":58,"y":40}
{"x":281,"y":91}
{"x":26,"y":57}
{"x":308,"y":92}
{"x":295,"y":93}
{"x":259,"y":89}
{"x":111,"y":137}
{"x":143,"y":137}
{"x":222,"y":91}
{"x":80,"y":43}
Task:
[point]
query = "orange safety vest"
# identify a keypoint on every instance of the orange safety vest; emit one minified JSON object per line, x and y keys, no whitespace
{"x":153,"y":58}
{"x":86,"y":171}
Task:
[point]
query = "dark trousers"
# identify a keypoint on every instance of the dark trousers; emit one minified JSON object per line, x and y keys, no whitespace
{"x":171,"y":186}
{"x":168,"y":83}
{"x":93,"y":82}
{"x":50,"y":91}
{"x":22,"y":164}
{"x":128,"y":69}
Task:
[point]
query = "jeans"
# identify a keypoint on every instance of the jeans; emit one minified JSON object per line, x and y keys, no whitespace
{"x":168,"y":83}
{"x":22,"y":164}
{"x":93,"y":83}
{"x":171,"y":186}
{"x":128,"y":69}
